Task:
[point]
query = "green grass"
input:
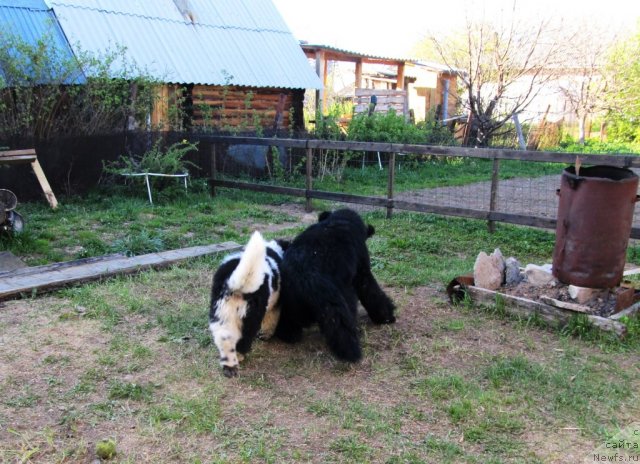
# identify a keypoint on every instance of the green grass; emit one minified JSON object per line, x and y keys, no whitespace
{"x":417,"y":258}
{"x":412,"y":175}
{"x":450,"y":384}
{"x":123,"y":221}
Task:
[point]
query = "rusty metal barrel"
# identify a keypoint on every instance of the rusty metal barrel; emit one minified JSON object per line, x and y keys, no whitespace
{"x":595,"y":214}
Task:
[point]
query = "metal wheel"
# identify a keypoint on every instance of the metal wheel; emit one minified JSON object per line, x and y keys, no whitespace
{"x":8,"y":199}
{"x":16,"y":221}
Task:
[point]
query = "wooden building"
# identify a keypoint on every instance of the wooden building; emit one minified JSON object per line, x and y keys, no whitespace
{"x":408,"y":86}
{"x":228,"y":64}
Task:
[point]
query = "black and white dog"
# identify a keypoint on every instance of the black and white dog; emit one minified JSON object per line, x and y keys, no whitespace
{"x":244,"y":299}
{"x":325,"y":271}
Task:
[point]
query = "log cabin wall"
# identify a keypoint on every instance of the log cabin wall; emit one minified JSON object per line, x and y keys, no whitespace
{"x":246,"y":108}
{"x":228,"y":108}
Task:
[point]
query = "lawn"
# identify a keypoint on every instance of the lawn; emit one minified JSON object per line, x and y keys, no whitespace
{"x":128,"y":361}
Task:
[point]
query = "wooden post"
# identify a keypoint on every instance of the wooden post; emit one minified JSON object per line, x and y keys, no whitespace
{"x":309,"y":180}
{"x":400,"y":77}
{"x":320,"y":71}
{"x":494,"y":193}
{"x":392,"y":175}
{"x":359,"y":74}
{"x":212,"y":185}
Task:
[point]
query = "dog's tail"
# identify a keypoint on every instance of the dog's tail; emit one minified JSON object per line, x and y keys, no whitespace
{"x":249,"y":273}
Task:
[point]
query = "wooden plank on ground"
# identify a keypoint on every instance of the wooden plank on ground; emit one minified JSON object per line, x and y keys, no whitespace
{"x":565,"y":304}
{"x":48,"y":279}
{"x":56,"y":266}
{"x":553,"y":316}
{"x":628,"y":312}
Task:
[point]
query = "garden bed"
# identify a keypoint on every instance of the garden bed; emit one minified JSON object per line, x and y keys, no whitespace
{"x":544,"y":303}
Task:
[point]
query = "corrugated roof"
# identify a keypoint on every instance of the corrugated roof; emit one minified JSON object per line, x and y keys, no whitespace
{"x":31,"y":21}
{"x":431,"y":65}
{"x":356,"y":53}
{"x":226,"y":42}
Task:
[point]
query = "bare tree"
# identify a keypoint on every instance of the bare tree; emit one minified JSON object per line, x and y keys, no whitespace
{"x":585,"y":81}
{"x":502,"y":62}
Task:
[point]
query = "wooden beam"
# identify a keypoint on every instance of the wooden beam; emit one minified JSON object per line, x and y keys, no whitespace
{"x":400,"y":78}
{"x":44,"y":183}
{"x":29,"y":156}
{"x":74,"y":273}
{"x":564,"y":304}
{"x":358,"y":74}
{"x":320,"y":71}
{"x":621,"y":160}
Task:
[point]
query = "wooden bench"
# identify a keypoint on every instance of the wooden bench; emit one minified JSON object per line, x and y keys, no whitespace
{"x":29,"y":156}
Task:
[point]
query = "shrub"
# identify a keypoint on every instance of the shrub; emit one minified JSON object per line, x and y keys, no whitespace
{"x":45,"y":93}
{"x":169,"y":161}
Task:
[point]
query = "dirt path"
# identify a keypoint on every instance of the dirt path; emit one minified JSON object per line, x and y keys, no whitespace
{"x":533,"y":197}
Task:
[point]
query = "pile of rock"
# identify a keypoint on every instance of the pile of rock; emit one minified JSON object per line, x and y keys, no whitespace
{"x":493,"y":272}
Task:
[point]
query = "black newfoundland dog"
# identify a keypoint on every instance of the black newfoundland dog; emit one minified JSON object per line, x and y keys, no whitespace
{"x":325,"y":271}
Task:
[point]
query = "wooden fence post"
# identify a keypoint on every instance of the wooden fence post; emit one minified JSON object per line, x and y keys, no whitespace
{"x":309,"y":180}
{"x":390,"y":182}
{"x":493,"y":198}
{"x":212,"y":184}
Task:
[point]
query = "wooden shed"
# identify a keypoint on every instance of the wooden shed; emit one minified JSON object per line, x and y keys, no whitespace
{"x":228,"y":64}
{"x":410,"y":87}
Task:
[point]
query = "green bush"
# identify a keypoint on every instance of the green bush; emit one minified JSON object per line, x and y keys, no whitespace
{"x":168,"y":161}
{"x":393,"y":128}
{"x":388,"y":127}
{"x":44,"y":93}
{"x":569,"y":145}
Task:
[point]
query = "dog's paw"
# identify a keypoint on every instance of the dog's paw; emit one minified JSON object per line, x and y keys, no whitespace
{"x":230,"y":371}
{"x":264,"y":335}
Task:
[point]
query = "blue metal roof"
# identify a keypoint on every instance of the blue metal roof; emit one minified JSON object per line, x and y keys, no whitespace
{"x":28,"y":22}
{"x":222,"y":42}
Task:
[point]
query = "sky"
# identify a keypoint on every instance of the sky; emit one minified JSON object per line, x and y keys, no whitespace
{"x":392,"y":28}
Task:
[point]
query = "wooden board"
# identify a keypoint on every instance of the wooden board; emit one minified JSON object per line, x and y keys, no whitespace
{"x":29,"y":156}
{"x":44,"y":184}
{"x":49,"y":278}
{"x":555,"y":317}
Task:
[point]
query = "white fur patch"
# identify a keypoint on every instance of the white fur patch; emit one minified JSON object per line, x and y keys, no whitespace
{"x":249,"y":274}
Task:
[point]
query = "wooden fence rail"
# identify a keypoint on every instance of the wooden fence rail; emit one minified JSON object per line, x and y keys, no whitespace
{"x":390,"y":203}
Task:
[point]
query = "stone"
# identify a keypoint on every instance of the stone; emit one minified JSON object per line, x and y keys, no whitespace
{"x":539,"y":276}
{"x":583,"y":295}
{"x":512,"y":275}
{"x":488,"y":270}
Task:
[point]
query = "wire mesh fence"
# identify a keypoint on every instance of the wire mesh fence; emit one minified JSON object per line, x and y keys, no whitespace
{"x":496,"y":185}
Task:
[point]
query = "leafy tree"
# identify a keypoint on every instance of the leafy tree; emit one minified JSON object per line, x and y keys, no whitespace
{"x":623,"y":70}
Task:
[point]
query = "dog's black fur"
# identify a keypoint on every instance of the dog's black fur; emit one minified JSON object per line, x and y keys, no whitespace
{"x":244,"y":300}
{"x":325,"y":271}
